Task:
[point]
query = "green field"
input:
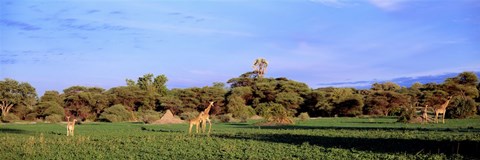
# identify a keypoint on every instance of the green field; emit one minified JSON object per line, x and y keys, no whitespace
{"x":322,"y":138}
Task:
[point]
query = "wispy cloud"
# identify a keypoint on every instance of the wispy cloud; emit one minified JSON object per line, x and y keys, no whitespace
{"x":402,"y":81}
{"x":88,"y":26}
{"x":7,"y":58}
{"x":331,"y":3}
{"x":93,"y":11}
{"x":19,"y":25}
{"x":116,"y":12}
{"x":192,"y":30}
{"x":388,"y":5}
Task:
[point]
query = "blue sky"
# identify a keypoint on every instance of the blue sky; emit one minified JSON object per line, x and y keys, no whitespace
{"x":55,"y":44}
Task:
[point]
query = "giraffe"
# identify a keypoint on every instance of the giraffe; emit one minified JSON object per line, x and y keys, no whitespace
{"x":206,"y":118}
{"x":442,"y":110}
{"x":425,"y":115}
{"x":195,"y":121}
{"x":70,"y":126}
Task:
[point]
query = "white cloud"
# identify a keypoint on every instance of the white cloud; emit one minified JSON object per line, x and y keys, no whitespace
{"x":388,"y":5}
{"x":331,"y":3}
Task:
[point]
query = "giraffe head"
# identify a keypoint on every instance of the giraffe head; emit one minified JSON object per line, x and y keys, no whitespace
{"x":450,"y":97}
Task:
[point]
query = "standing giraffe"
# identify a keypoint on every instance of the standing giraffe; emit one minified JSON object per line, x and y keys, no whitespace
{"x":206,"y":118}
{"x":195,"y":122}
{"x":70,"y":126}
{"x":442,"y":109}
{"x":425,"y":117}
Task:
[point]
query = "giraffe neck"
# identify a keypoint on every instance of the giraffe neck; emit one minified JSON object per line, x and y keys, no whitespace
{"x":445,"y":105}
{"x":207,"y":110}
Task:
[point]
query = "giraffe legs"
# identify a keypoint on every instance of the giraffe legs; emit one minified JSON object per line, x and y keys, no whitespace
{"x":443,"y":118}
{"x":210,"y":126}
{"x":190,"y":129}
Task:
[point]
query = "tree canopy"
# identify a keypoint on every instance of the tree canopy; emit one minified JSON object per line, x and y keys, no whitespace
{"x":276,"y":99}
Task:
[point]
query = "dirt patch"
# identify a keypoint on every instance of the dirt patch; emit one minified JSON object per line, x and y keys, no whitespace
{"x":169,"y":118}
{"x":255,"y":117}
{"x":416,"y":120}
{"x":276,"y":122}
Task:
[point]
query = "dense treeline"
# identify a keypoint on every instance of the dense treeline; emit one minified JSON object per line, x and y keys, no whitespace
{"x":275,"y":99}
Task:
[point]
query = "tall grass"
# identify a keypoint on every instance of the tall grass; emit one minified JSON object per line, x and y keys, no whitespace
{"x":323,"y":138}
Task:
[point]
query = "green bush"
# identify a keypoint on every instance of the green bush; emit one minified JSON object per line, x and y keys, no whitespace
{"x":189,"y":115}
{"x":225,"y":118}
{"x":149,"y":116}
{"x":54,"y":118}
{"x":304,"y":116}
{"x":274,"y":112}
{"x":116,"y":113}
{"x":237,"y":107}
{"x":407,"y":114}
{"x":53,"y":108}
{"x":462,"y":107}
{"x":10,"y":118}
{"x":31,"y":117}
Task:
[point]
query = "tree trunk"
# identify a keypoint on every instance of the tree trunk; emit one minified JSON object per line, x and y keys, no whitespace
{"x":5,"y":106}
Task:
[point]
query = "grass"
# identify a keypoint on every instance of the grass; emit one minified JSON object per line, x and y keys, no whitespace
{"x":322,"y":138}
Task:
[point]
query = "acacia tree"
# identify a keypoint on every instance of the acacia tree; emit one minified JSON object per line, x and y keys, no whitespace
{"x":334,"y":101}
{"x":215,"y":93}
{"x":386,"y":99}
{"x":237,"y":103}
{"x":278,"y":99}
{"x":13,"y":93}
{"x":153,"y":89}
{"x":128,"y":96}
{"x":464,"y":87}
{"x":85,"y":102}
{"x":50,"y":104}
{"x":171,"y":103}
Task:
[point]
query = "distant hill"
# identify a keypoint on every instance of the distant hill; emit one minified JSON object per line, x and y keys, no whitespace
{"x":402,"y":81}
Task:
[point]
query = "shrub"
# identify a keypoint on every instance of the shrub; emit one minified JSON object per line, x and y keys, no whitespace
{"x":225,"y":118}
{"x":237,"y":107}
{"x":149,"y":116}
{"x":115,"y":113}
{"x":189,"y":115}
{"x":304,"y":116}
{"x":31,"y":117}
{"x":407,"y":114}
{"x":10,"y":118}
{"x":463,"y":108}
{"x":53,"y":108}
{"x":274,"y":112}
{"x":350,"y":107}
{"x":90,"y":118}
{"x":54,"y":118}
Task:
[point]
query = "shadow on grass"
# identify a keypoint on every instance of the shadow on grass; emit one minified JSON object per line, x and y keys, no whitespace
{"x":374,"y":122}
{"x":237,"y":124}
{"x":367,"y":128}
{"x":160,"y":130}
{"x":379,"y":145}
{"x":13,"y":131}
{"x":56,"y":133}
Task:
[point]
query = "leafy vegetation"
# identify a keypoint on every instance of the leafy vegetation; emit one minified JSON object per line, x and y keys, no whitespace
{"x":328,"y":138}
{"x":278,"y":100}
